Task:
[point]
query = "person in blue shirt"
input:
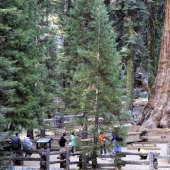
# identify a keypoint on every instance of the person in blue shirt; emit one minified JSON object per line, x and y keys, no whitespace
{"x":27,"y":145}
{"x":16,"y":144}
{"x":116,"y":143}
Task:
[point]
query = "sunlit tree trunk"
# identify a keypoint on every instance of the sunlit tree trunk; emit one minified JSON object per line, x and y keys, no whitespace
{"x":130,"y":69}
{"x":157,"y":111}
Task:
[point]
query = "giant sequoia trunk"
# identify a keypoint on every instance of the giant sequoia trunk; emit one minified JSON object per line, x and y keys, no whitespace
{"x":157,"y":111}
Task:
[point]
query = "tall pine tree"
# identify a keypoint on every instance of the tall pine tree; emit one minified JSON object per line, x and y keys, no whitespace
{"x":91,"y":65}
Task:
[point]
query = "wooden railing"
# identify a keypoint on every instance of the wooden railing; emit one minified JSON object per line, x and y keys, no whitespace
{"x":83,"y":162}
{"x":43,"y":153}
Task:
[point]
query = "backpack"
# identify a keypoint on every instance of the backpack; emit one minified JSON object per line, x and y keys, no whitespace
{"x":119,"y":139}
{"x":59,"y":142}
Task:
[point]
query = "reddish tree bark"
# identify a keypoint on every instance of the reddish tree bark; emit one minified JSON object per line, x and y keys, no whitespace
{"x":157,"y":111}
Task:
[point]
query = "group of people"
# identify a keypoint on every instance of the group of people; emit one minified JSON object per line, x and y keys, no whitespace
{"x":116,"y":146}
{"x":115,"y":141}
{"x":62,"y":142}
{"x":26,"y":144}
{"x":16,"y":144}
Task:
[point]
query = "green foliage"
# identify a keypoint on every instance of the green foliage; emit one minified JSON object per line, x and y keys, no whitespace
{"x":4,"y":163}
{"x":26,"y":42}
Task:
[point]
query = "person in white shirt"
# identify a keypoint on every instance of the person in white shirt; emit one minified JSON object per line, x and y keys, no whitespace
{"x":27,"y":145}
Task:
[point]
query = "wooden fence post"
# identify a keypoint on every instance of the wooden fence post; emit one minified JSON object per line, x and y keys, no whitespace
{"x":168,"y":151}
{"x":63,"y":157}
{"x":155,"y":161}
{"x":67,"y":159}
{"x":62,"y":121}
{"x":22,"y":155}
{"x":18,"y":153}
{"x":43,"y":160}
{"x":83,"y":162}
{"x":151,"y":164}
{"x":47,"y":159}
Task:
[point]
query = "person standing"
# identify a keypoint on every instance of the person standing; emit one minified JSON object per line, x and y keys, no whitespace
{"x":62,"y":143}
{"x":102,"y":142}
{"x":16,"y":143}
{"x":27,"y":145}
{"x":72,"y":140}
{"x":116,"y":143}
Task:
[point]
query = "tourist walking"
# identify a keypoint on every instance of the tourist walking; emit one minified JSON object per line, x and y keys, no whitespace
{"x":102,"y":143}
{"x":72,"y":142}
{"x":62,"y":141}
{"x":116,"y":143}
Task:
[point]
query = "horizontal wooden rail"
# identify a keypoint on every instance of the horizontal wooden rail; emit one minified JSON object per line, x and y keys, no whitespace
{"x":162,"y":157}
{"x":162,"y":166}
{"x":56,"y":162}
{"x":64,"y":116}
{"x":27,"y":159}
{"x":141,"y":162}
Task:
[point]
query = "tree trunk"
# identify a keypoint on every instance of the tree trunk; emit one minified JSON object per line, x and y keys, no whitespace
{"x":85,"y":127}
{"x":30,"y":132}
{"x":151,"y":43}
{"x":157,"y":111}
{"x":130,"y":69}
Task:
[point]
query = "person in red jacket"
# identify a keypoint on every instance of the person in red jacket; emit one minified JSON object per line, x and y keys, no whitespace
{"x":102,"y":142}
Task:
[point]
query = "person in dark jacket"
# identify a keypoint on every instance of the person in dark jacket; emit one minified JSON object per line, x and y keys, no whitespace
{"x":16,"y":143}
{"x":62,"y":141}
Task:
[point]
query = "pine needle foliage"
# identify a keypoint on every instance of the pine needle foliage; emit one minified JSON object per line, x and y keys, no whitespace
{"x":26,"y":41}
{"x":7,"y":91}
{"x":18,"y":46}
{"x":91,"y":64}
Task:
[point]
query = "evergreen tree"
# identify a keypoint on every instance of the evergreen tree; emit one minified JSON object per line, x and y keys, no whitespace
{"x":91,"y":65}
{"x":7,"y":91}
{"x":27,"y":40}
{"x":48,"y":62}
{"x":18,"y":46}
{"x":7,"y":88}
